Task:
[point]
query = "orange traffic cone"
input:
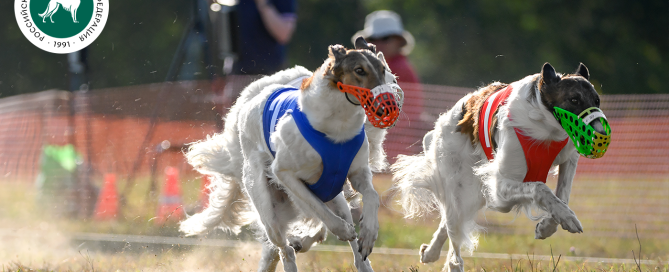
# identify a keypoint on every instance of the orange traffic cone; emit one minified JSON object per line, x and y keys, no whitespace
{"x":204,"y":192}
{"x":170,"y":207}
{"x":107,"y":206}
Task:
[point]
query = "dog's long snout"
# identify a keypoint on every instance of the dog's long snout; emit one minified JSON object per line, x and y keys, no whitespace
{"x":382,"y":108}
{"x":380,"y":111}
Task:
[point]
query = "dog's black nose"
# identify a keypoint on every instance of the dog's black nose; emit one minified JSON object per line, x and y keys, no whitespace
{"x":380,"y":111}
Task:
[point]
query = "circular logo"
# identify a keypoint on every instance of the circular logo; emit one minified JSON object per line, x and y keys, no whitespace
{"x":61,"y":26}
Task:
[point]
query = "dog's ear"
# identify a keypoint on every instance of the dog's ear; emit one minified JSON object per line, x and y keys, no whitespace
{"x":381,"y":57}
{"x":361,"y":43}
{"x":337,"y":51}
{"x":583,"y":71}
{"x":548,"y":74}
{"x":334,"y":71}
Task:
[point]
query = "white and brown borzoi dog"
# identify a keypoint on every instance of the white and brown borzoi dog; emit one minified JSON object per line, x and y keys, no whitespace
{"x":251,"y":186}
{"x":455,"y":177}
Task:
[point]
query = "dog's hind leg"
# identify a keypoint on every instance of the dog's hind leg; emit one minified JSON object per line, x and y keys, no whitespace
{"x":275,"y":229}
{"x":74,"y":14}
{"x":430,"y":253}
{"x":275,"y":222}
{"x":269,"y":258}
{"x":340,"y":207}
{"x":460,"y":223}
{"x":465,"y":200}
{"x":51,"y":10}
{"x":273,"y":207}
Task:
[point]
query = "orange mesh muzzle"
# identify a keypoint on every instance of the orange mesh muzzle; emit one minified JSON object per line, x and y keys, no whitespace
{"x":381,"y":103}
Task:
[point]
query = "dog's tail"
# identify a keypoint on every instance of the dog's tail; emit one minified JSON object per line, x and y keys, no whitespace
{"x":413,"y":177}
{"x":219,"y":156}
{"x":228,"y":205}
{"x":45,"y":12}
{"x":211,"y":156}
{"x":228,"y":209}
{"x":420,"y":192}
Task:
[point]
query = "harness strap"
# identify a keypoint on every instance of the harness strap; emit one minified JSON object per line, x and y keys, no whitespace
{"x":539,"y":155}
{"x":279,"y":103}
{"x":485,"y":119}
{"x":336,"y":157}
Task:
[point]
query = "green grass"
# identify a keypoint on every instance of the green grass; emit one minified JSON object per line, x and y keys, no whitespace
{"x":22,"y":216}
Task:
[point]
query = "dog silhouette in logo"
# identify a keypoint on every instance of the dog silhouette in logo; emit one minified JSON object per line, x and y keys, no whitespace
{"x":68,"y":5}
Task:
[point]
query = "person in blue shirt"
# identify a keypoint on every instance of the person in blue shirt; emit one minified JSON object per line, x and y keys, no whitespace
{"x":265,"y":27}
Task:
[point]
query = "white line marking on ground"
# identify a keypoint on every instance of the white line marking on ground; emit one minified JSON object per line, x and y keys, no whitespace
{"x":333,"y":248}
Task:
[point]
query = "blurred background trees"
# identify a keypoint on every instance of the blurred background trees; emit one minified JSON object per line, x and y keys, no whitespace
{"x":625,"y":44}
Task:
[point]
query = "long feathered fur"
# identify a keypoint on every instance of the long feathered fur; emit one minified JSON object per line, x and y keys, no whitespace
{"x":228,"y":205}
{"x":454,"y":177}
{"x":412,"y":185}
{"x":419,"y":185}
{"x":229,"y":209}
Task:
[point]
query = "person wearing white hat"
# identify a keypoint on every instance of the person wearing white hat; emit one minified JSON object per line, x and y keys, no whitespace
{"x":383,"y":26}
{"x":384,"y":29}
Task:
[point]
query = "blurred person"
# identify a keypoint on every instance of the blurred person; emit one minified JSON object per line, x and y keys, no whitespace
{"x":265,"y":27}
{"x":384,"y":29}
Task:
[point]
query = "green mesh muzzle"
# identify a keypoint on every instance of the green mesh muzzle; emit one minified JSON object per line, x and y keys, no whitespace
{"x":588,"y":142}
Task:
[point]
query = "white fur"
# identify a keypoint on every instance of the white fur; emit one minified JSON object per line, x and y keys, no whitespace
{"x":252,"y":187}
{"x":456,"y":179}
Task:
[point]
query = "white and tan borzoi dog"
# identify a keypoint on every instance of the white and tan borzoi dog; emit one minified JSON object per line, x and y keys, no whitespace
{"x":455,"y":177}
{"x":252,"y":187}
{"x":68,"y":5}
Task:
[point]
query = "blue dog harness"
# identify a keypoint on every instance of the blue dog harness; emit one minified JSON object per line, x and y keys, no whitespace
{"x":336,"y":157}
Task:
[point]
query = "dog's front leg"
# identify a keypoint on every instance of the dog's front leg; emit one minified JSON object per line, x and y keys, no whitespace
{"x":512,"y":192}
{"x":310,"y":204}
{"x":361,"y":180}
{"x":340,"y":207}
{"x":547,"y":226}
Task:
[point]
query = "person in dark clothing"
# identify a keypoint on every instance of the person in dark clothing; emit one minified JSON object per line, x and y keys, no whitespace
{"x":265,"y":27}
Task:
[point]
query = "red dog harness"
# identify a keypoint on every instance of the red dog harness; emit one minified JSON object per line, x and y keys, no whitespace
{"x":539,"y":155}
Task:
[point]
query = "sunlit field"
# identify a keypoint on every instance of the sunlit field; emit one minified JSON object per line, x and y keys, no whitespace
{"x":32,"y":239}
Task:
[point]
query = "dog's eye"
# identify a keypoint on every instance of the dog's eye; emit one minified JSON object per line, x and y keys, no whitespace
{"x":574,"y":100}
{"x":359,"y":71}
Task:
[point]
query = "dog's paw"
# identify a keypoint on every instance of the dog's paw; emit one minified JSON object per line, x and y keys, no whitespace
{"x":545,"y":228}
{"x":345,"y":231}
{"x":320,"y":237}
{"x":296,"y":245}
{"x":572,"y":224}
{"x":366,"y":241}
{"x":363,"y":266}
{"x":567,"y":219}
{"x":428,"y":255}
{"x":302,"y":244}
